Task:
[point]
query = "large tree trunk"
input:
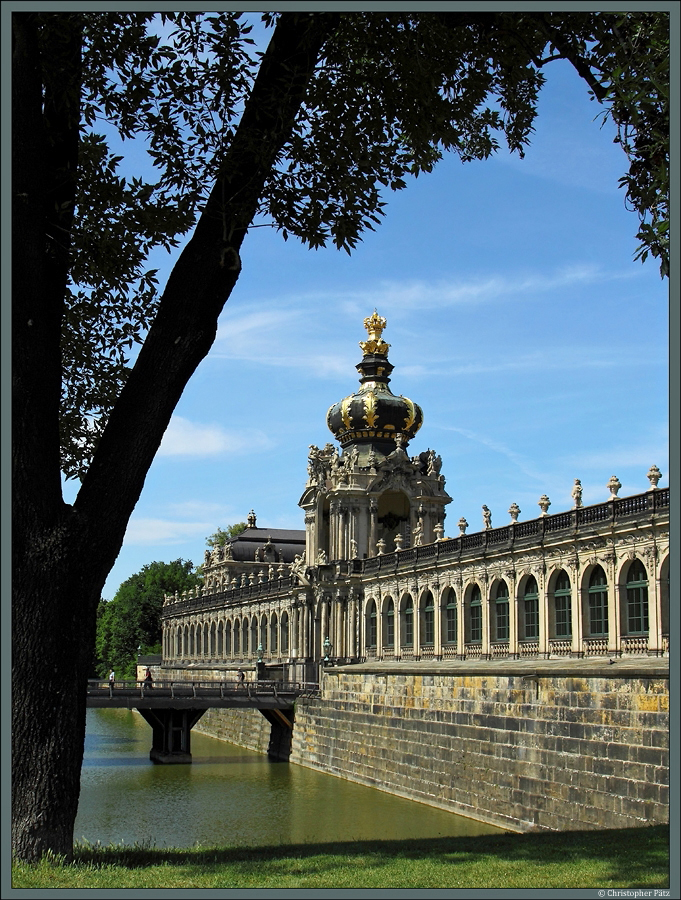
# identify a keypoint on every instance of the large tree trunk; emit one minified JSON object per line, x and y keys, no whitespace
{"x":63,"y":554}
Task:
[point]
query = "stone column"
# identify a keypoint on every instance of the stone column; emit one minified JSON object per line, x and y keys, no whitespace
{"x":609,"y":564}
{"x":352,"y":625}
{"x":513,"y":613}
{"x":333,"y":529}
{"x":485,"y":650}
{"x":373,"y":526}
{"x":575,"y":606}
{"x":650,"y":561}
{"x":543,"y":606}
{"x":439,"y":619}
{"x":460,"y":618}
{"x":418,"y":601}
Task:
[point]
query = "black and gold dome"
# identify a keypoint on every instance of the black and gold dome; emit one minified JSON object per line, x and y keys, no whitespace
{"x":374,"y":415}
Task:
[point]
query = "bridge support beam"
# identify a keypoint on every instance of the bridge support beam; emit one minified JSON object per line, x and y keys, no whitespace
{"x":281,"y":733}
{"x":171,"y":733}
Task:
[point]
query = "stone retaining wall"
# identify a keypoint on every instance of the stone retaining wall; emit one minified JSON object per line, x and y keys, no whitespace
{"x":548,"y":752}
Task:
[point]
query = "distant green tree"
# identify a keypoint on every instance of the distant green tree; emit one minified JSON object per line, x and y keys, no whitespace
{"x":220,"y":537}
{"x":132,"y":619}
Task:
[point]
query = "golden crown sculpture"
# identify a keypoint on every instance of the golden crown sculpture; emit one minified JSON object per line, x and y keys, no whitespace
{"x":375,"y":324}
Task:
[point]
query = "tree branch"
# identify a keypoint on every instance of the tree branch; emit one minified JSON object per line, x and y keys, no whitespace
{"x":202,"y":279}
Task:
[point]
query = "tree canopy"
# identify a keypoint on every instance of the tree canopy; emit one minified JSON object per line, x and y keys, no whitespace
{"x":220,"y":537}
{"x":306,"y":136}
{"x":132,"y":620}
{"x":389,"y":95}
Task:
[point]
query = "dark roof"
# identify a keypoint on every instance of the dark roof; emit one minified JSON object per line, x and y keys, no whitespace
{"x":287,"y":542}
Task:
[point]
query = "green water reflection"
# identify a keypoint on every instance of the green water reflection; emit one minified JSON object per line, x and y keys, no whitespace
{"x":229,"y":795}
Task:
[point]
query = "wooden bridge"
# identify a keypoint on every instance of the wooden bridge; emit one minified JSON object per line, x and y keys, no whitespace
{"x":172,"y":708}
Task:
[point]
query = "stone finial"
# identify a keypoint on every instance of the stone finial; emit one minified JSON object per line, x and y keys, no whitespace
{"x":399,"y":538}
{"x":614,"y":485}
{"x":439,"y":532}
{"x":577,"y":493}
{"x":514,"y":511}
{"x":380,"y":547}
{"x":653,"y":476}
{"x":463,"y":525}
{"x":486,"y":517}
{"x":544,"y":504}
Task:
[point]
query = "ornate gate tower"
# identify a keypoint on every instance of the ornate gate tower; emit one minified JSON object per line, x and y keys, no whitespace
{"x":372,"y":498}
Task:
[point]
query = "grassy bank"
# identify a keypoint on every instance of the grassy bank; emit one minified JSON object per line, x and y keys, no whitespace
{"x":635,"y":857}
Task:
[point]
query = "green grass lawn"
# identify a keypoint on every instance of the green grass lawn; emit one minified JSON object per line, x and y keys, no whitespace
{"x":633,"y":857}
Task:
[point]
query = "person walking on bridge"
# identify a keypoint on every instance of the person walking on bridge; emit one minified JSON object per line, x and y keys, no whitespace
{"x":112,"y":677}
{"x":148,"y":680}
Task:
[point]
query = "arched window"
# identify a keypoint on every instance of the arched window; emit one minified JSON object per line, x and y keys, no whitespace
{"x":562,"y":600}
{"x":428,"y":636}
{"x":274,"y":633}
{"x":598,"y":602}
{"x":408,"y":636}
{"x":228,"y":639}
{"x":531,"y":609}
{"x":213,"y":640}
{"x":263,"y":633}
{"x":451,"y":614}
{"x":221,"y":628}
{"x":475,"y":615}
{"x":501,"y":617}
{"x":237,"y":638}
{"x":637,"y":599}
{"x":372,"y":634}
{"x":244,"y":639}
{"x":390,"y":625}
{"x":254,"y":636}
{"x":283,"y":633}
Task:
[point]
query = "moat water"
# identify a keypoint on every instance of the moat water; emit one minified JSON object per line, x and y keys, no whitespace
{"x":229,"y":795}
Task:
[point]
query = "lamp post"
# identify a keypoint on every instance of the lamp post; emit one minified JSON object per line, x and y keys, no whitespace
{"x":327,"y":651}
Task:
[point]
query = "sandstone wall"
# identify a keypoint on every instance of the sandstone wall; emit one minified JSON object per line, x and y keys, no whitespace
{"x":554,"y":752}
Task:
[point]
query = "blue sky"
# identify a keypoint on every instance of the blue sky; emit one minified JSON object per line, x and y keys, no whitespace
{"x":518,"y":320}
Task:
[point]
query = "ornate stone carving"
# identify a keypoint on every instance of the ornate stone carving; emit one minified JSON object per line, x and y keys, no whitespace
{"x":544,"y":504}
{"x":614,"y":485}
{"x":514,"y":511}
{"x":653,"y":477}
{"x":486,"y":517}
{"x":577,"y":494}
{"x":463,"y":525}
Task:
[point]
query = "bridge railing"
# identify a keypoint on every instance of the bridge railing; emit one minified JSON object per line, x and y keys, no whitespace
{"x":183,"y":690}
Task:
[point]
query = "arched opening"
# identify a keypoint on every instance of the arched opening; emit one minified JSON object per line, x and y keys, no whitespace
{"x":389,"y":624}
{"x":228,"y":639}
{"x":474,"y":617}
{"x":407,"y":624}
{"x":274,"y":643}
{"x":635,"y":607}
{"x":372,"y":629}
{"x":450,"y":630}
{"x":561,"y":607}
{"x":530,"y":610}
{"x":283,"y":633}
{"x":393,"y":518}
{"x":499,"y":612}
{"x":598,"y":603}
{"x":427,"y":620}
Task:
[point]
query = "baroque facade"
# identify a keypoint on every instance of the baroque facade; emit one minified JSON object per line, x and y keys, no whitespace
{"x":373,"y":575}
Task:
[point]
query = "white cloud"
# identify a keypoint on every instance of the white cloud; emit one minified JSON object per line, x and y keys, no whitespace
{"x":185,"y":438}
{"x":148,"y":531}
{"x":419,"y":295}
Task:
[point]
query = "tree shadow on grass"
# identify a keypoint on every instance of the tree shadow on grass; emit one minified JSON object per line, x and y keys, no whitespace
{"x":636,"y":857}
